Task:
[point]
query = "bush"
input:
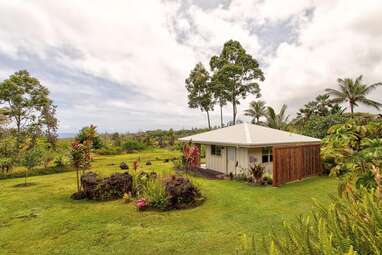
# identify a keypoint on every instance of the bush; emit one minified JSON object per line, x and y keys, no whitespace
{"x":133,"y":145}
{"x":148,"y":163}
{"x":59,"y":162}
{"x":109,"y":150}
{"x":257,"y":171}
{"x":181,"y":193}
{"x":124,"y":166}
{"x":109,"y":188}
{"x":154,"y":194}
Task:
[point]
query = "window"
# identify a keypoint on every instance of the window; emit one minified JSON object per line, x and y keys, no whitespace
{"x":216,"y":150}
{"x":267,"y":155}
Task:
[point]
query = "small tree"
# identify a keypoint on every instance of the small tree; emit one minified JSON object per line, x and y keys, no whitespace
{"x":79,"y":160}
{"x":191,"y":154}
{"x":31,"y":159}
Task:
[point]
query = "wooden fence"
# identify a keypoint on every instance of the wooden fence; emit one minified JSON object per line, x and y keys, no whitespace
{"x":294,"y":162}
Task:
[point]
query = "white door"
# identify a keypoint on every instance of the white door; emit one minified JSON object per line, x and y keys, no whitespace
{"x":231,"y":160}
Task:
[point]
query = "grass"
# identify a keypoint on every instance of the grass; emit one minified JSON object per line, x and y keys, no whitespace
{"x":42,"y":219}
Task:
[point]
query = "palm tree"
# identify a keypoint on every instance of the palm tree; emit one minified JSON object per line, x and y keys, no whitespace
{"x":354,"y":92}
{"x":277,"y":121}
{"x":256,"y":110}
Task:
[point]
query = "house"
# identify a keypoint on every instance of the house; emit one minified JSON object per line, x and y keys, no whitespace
{"x":231,"y":149}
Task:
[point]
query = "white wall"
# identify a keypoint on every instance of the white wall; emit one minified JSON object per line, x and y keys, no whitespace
{"x":257,"y":153}
{"x":219,"y":163}
{"x":214,"y":162}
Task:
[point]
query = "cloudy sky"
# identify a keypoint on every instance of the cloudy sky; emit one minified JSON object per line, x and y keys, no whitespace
{"x":122,"y":64}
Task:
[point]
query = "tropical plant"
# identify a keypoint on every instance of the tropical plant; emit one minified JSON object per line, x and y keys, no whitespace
{"x":276,"y":120}
{"x":200,"y":91}
{"x":256,"y":110}
{"x":318,"y":126}
{"x":354,"y":92}
{"x":191,"y":153}
{"x":257,"y":171}
{"x":351,"y":149}
{"x":349,"y":225}
{"x":133,"y":145}
{"x":236,"y":73}
{"x":320,"y":106}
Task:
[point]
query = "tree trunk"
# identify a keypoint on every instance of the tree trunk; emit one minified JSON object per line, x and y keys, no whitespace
{"x":78,"y":181}
{"x":234,"y":112}
{"x":221,"y":116}
{"x":208,"y":118}
{"x":257,"y":120}
{"x":352,"y":109}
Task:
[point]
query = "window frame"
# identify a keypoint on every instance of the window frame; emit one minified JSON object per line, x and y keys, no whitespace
{"x":216,"y":150}
{"x":266,"y":153}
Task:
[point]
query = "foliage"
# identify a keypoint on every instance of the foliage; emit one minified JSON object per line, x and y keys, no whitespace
{"x":109,"y":188}
{"x":79,"y":160}
{"x":26,"y":101}
{"x":200,"y":91}
{"x":89,"y":135}
{"x":237,"y":74}
{"x":6,"y":165}
{"x":321,"y":106}
{"x":31,"y":158}
{"x":59,"y":162}
{"x":133,"y":145}
{"x":257,"y":171}
{"x":124,"y":166}
{"x":349,"y":225}
{"x":317,"y":126}
{"x":154,"y":194}
{"x":191,"y":154}
{"x":354,"y":92}
{"x":181,"y":193}
{"x":351,"y":149}
{"x":276,"y":120}
{"x":109,"y":150}
{"x":256,"y":110}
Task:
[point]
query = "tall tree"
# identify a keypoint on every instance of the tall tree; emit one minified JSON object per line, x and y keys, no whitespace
{"x":238,"y":71}
{"x":256,"y":110}
{"x":276,"y":120}
{"x":354,"y":92}
{"x":25,"y":99}
{"x":200,"y":92}
{"x":221,"y":96}
{"x":50,"y":121}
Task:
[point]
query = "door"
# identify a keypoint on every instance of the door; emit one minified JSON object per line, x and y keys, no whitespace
{"x":231,"y":160}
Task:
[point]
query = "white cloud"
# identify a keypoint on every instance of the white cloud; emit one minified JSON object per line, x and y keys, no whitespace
{"x":149,"y":47}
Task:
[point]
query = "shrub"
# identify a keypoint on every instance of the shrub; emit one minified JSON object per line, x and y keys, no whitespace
{"x":59,"y":162}
{"x":109,"y":150}
{"x":124,"y":166}
{"x":133,"y":145}
{"x":181,"y":193}
{"x":109,"y":188}
{"x":155,"y":194}
{"x":148,"y":163}
{"x":257,"y":171}
{"x":6,"y":165}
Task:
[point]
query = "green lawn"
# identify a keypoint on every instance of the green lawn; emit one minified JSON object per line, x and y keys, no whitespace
{"x":42,"y":219}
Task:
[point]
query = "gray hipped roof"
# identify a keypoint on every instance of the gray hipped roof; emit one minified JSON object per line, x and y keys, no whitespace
{"x":248,"y":135}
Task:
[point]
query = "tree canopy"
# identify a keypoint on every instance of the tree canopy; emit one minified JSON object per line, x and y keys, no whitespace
{"x":237,"y":74}
{"x":200,"y":92}
{"x":354,"y":92}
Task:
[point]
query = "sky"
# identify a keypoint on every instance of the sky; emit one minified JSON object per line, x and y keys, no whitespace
{"x":122,"y":64}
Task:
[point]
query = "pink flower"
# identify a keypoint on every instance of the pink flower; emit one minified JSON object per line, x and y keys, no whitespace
{"x":140,"y":203}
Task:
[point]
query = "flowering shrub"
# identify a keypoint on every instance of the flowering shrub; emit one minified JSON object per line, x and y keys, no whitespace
{"x":191,"y":155}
